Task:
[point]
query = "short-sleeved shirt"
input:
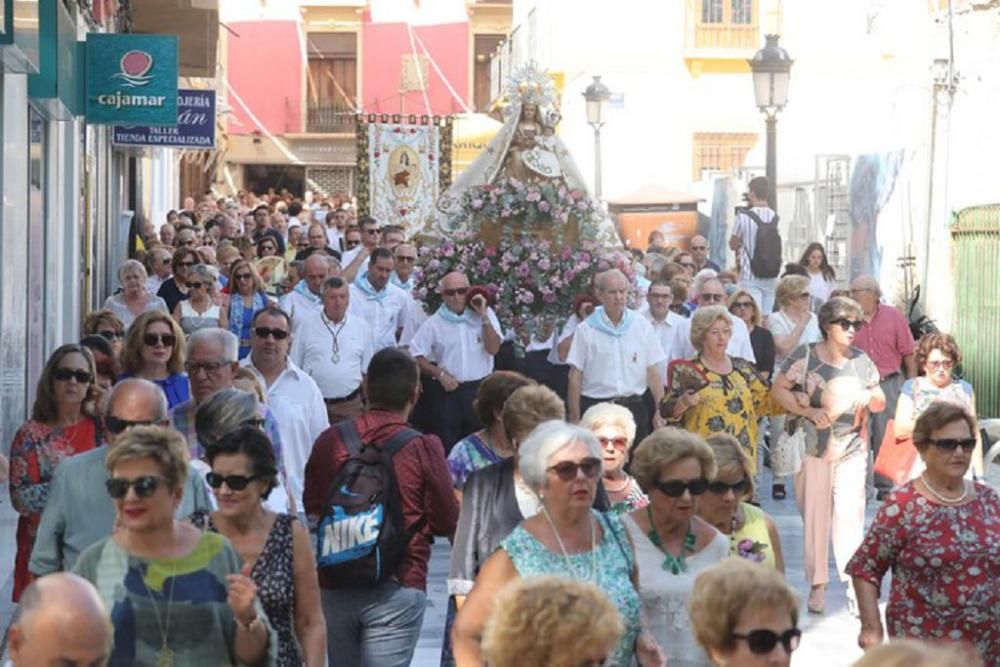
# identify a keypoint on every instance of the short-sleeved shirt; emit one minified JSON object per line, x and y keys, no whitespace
{"x":666,"y":332}
{"x":739,"y":343}
{"x":745,"y":228}
{"x":886,"y":339}
{"x":385,"y":312}
{"x":615,"y":366}
{"x":779,"y":324}
{"x":335,"y":354}
{"x":456,"y":346}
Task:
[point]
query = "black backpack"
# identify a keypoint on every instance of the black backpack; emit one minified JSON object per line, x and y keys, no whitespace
{"x":766,"y":260}
{"x":361,"y":540}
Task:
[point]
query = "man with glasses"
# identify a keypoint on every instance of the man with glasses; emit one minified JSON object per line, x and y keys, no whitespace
{"x":306,"y":297}
{"x":354,"y":258}
{"x":211,"y":365}
{"x":699,"y":254}
{"x":454,"y":349}
{"x":292,"y":394}
{"x":713,"y":293}
{"x":380,"y":303}
{"x":335,"y":346}
{"x":159,"y":269}
{"x":79,"y":511}
{"x":885,"y":337}
{"x":666,"y":323}
{"x":687,"y":261}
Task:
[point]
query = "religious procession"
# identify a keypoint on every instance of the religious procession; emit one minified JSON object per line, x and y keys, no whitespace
{"x":367,"y":370}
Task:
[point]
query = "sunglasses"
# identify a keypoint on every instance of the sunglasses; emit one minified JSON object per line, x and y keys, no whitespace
{"x":234,"y":482}
{"x":712,"y":298}
{"x":743,"y":304}
{"x":567,"y":470}
{"x":763,"y":642}
{"x":371,"y":231}
{"x":619,"y":443}
{"x":110,"y":335}
{"x":460,"y":291}
{"x":846,"y":324}
{"x":675,"y":488}
{"x":951,"y":444}
{"x":243,"y":276}
{"x":144,"y":486}
{"x":193,"y":367}
{"x":152,"y":340}
{"x":720,"y":488}
{"x":166,"y":261}
{"x":264,"y":332}
{"x":116,"y":425}
{"x":67,"y":374}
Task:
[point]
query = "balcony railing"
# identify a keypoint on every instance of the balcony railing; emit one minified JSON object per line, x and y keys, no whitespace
{"x":330,"y":118}
{"x":727,"y":36}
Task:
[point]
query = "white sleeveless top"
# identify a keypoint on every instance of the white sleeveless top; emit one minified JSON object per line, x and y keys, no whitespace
{"x":192,"y":320}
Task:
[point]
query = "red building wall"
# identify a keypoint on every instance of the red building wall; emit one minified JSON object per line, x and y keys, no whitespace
{"x":265,"y":67}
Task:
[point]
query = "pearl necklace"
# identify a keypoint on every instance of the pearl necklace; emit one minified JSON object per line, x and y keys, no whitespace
{"x":594,"y":575}
{"x":943,"y":498}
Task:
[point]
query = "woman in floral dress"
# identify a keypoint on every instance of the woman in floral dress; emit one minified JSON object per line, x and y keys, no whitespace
{"x":940,"y":536}
{"x":62,"y":424}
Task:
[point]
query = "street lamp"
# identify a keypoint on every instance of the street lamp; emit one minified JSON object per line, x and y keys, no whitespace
{"x":771,"y":68}
{"x":597,"y":96}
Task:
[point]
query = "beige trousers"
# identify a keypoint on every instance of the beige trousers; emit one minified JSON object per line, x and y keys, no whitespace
{"x":831,"y":499}
{"x":338,"y":412}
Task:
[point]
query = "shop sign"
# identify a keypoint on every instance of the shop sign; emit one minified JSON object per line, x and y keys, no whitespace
{"x":195,"y":126}
{"x":131,"y":79}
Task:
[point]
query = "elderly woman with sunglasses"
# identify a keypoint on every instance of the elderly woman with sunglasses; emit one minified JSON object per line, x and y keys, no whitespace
{"x":199,"y":311}
{"x":940,"y":536}
{"x":615,"y":430}
{"x":176,"y":595}
{"x":174,"y":289}
{"x":562,"y":464}
{"x":752,"y":533}
{"x":672,"y":544}
{"x":275,"y":546}
{"x":133,"y":300}
{"x":830,"y":388}
{"x":154,"y":351}
{"x":245,"y":297}
{"x":745,"y":615}
{"x":63,"y":422}
{"x":108,"y":326}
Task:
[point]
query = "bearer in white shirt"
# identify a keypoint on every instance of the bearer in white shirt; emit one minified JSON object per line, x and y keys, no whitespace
{"x":666,"y":323}
{"x":713,"y":293}
{"x":380,"y":303}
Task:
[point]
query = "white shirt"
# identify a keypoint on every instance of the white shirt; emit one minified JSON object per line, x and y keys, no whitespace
{"x":571,"y":324}
{"x":415,"y":317}
{"x":385,"y":316}
{"x":819,"y":287}
{"x":739,"y":342}
{"x":457,"y":347}
{"x":780,"y":324}
{"x":665,"y":332}
{"x":297,"y":404}
{"x":333,"y":238}
{"x":299,"y":308}
{"x":615,"y":366}
{"x":313,"y":347}
{"x":350,"y":255}
{"x":745,"y":228}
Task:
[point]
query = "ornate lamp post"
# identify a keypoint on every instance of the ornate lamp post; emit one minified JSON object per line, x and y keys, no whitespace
{"x":597,"y":96}
{"x":771,"y":68}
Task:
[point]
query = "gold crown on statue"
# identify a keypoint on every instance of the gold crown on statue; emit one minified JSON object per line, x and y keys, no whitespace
{"x":530,"y":85}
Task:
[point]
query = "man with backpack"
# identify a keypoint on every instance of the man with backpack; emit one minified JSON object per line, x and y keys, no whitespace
{"x":377,"y":490}
{"x":757,"y":244}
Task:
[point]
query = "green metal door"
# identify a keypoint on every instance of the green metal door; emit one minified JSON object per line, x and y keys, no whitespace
{"x":976,"y":234}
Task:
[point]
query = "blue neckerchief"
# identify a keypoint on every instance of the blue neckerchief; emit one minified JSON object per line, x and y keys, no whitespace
{"x":600,"y":321}
{"x":257,"y":302}
{"x":303,"y":289}
{"x":408,"y":285}
{"x":450,"y":316}
{"x":365,"y":286}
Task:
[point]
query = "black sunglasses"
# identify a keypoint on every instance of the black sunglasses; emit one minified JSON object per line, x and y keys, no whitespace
{"x":675,"y":488}
{"x":567,"y":470}
{"x":116,"y":425}
{"x":460,"y":291}
{"x":846,"y":324}
{"x":67,"y":374}
{"x":264,"y":332}
{"x":196,"y":285}
{"x":151,"y":340}
{"x":763,"y":642}
{"x":110,"y":335}
{"x":951,"y":444}
{"x":351,"y":244}
{"x":144,"y":486}
{"x":243,"y":276}
{"x":234,"y":482}
{"x":720,"y":488}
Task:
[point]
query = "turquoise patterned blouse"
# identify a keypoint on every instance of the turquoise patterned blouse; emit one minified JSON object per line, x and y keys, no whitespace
{"x":615,"y":561}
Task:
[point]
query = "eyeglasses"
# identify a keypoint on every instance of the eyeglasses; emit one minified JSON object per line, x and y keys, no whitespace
{"x":656,"y":296}
{"x":711,"y":298}
{"x":234,"y":482}
{"x":946,"y":364}
{"x":152,"y":340}
{"x":763,"y":642}
{"x":67,"y":374}
{"x":166,"y":261}
{"x":243,"y":276}
{"x":371,"y":231}
{"x":351,"y":244}
{"x":405,"y":258}
{"x":193,"y":367}
{"x":619,"y":443}
{"x":196,"y":285}
{"x":110,"y":334}
{"x":951,"y":444}
{"x":264,"y":332}
{"x":720,"y":488}
{"x":144,"y":486}
{"x":742,"y":304}
{"x":846,"y":324}
{"x":567,"y":470}
{"x":116,"y":425}
{"x":460,"y":291}
{"x":675,"y":488}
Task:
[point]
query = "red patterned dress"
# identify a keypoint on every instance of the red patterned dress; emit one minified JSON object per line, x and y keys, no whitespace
{"x":36,"y":451}
{"x":945,"y":564}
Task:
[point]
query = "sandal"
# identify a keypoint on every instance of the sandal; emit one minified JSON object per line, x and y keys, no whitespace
{"x":778,"y":491}
{"x":817,"y":600}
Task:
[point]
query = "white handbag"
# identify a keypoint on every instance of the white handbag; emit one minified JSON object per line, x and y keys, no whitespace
{"x":786,"y":457}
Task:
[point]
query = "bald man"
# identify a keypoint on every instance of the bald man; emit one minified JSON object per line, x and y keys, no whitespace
{"x":306,"y":298}
{"x":61,"y":621}
{"x":699,"y":253}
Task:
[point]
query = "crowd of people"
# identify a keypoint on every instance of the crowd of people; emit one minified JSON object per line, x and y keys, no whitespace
{"x":249,"y":454}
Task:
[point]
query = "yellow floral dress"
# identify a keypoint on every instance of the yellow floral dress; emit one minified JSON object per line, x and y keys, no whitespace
{"x":731,"y":403}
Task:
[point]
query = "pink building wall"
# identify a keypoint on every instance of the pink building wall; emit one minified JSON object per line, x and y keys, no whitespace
{"x":265,"y":67}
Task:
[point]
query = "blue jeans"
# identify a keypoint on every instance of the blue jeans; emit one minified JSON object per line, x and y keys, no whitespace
{"x":373,"y":626}
{"x":762,"y":291}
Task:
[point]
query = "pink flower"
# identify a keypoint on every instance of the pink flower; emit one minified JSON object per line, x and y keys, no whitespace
{"x":544,"y":264}
{"x":533,"y":195}
{"x":543,"y":206}
{"x":490,"y":251}
{"x":603,"y":266}
{"x":485,"y":265}
{"x":505,"y":213}
{"x":477,"y":203}
{"x":527,"y":297}
{"x":549,"y":298}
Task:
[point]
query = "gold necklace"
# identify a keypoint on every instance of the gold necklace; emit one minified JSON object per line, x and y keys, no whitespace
{"x":165,"y":658}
